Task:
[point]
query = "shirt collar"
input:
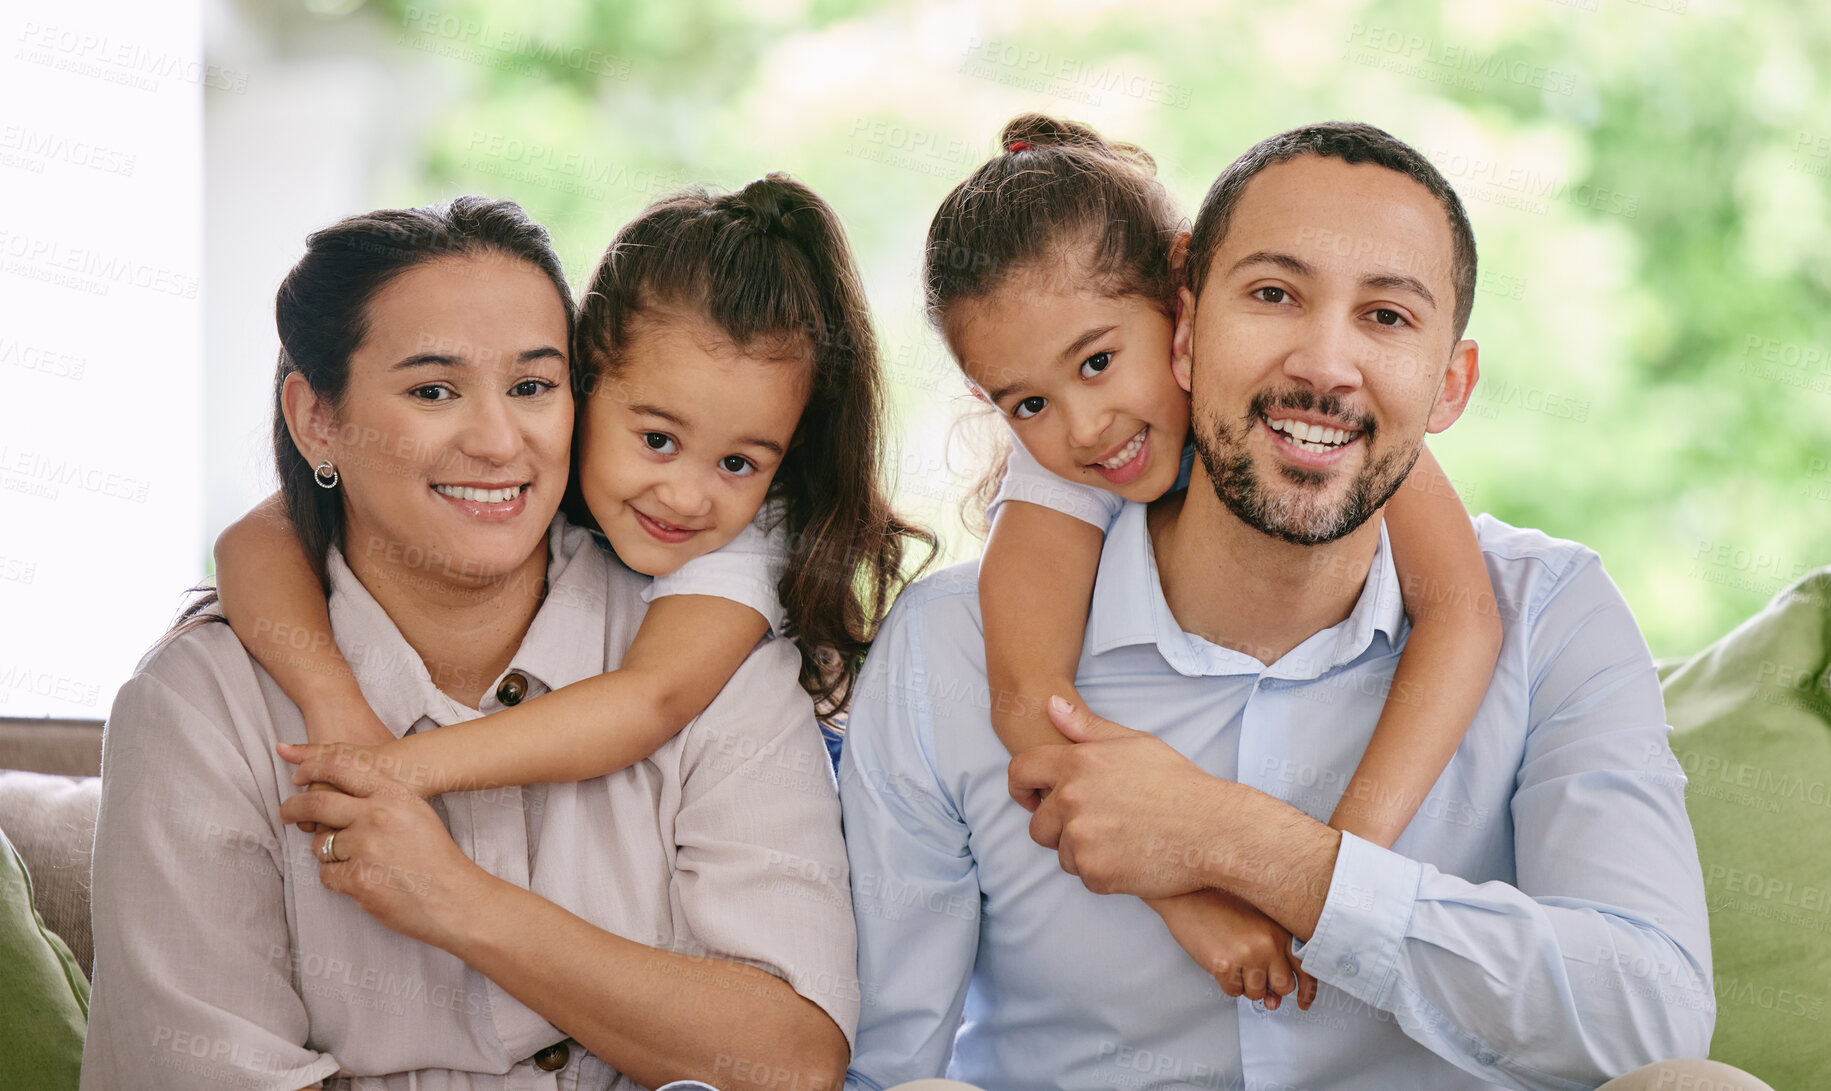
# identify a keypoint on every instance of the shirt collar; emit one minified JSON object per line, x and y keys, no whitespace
{"x":1129,"y":609}
{"x":564,"y":643}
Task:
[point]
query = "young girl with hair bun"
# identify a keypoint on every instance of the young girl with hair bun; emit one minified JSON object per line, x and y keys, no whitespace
{"x":729,"y":443}
{"x":1070,"y":234}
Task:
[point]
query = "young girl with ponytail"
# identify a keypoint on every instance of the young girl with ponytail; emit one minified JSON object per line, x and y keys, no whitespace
{"x":729,"y":443}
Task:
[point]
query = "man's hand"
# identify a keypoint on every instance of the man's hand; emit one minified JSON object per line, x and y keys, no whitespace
{"x":1130,"y":815}
{"x":1245,"y":951}
{"x":1127,"y":813}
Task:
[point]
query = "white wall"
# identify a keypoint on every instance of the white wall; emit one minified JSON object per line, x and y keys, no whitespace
{"x":101,"y":295}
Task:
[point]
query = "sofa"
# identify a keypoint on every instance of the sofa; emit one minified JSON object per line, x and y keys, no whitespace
{"x":1751,"y":720}
{"x":49,"y":787}
{"x":47,"y":821}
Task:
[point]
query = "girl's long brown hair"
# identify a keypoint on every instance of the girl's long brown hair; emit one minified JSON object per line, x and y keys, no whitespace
{"x":769,"y":266}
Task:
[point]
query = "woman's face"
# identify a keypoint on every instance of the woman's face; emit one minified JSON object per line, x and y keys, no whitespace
{"x":1084,"y":380}
{"x":453,"y":436}
{"x":681,"y":440}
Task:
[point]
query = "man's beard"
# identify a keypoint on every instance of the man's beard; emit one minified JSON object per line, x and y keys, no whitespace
{"x":1299,"y":513}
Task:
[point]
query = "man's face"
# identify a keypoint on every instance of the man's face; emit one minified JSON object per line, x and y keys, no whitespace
{"x":1323,"y":348}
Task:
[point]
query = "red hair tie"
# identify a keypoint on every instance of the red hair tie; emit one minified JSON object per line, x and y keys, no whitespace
{"x":1016,"y":146}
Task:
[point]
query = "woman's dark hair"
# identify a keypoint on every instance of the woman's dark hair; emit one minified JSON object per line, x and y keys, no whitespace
{"x":1058,"y":196}
{"x":322,"y":312}
{"x":1059,"y":193}
{"x":768,"y":266}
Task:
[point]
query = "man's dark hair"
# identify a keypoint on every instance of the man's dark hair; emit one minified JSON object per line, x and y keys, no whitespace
{"x":1352,"y":142}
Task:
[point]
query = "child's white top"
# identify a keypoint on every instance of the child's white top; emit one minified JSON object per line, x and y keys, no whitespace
{"x":1026,"y":480}
{"x":745,"y":569}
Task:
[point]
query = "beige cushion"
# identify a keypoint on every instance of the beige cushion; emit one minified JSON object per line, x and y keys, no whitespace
{"x":51,"y":821}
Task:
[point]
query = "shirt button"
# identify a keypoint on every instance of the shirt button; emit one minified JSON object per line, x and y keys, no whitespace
{"x":1348,"y":966}
{"x":510,"y":692}
{"x":554,"y":1057}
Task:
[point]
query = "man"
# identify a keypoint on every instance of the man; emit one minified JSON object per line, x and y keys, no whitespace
{"x":1540,"y":924}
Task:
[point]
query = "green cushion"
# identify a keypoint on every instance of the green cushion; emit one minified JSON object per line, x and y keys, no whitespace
{"x":44,"y":1001}
{"x":1751,"y":718}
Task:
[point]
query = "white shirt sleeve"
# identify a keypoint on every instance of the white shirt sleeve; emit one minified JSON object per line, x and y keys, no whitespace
{"x":1026,"y":480}
{"x":745,"y":570}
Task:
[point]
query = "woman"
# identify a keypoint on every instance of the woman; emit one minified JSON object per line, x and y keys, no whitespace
{"x":685,"y":918}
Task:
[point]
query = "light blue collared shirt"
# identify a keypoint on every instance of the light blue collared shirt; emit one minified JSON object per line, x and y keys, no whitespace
{"x":1540,"y":924}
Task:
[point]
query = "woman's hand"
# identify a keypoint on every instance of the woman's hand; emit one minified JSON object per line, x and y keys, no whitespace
{"x":1243,"y":949}
{"x":389,"y":851}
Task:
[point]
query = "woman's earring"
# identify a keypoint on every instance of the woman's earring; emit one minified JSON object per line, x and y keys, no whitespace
{"x":325,"y":474}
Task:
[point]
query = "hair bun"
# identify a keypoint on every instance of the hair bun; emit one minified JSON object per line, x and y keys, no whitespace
{"x":1034,"y":132}
{"x":1041,"y":131}
{"x":770,"y":202}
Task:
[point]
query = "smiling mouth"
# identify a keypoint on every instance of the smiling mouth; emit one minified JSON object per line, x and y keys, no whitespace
{"x":666,"y":531}
{"x":1126,"y":453}
{"x":1315,"y":438}
{"x":481,"y":496}
{"x":664,"y":524}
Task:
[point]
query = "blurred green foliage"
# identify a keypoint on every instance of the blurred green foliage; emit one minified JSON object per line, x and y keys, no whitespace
{"x":1648,"y":182}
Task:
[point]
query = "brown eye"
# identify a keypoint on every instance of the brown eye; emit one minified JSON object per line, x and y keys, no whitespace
{"x":1029,"y":407}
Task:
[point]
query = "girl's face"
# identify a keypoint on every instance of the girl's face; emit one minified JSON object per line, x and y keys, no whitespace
{"x":682,"y":438}
{"x":452,"y":437}
{"x":1084,"y":380}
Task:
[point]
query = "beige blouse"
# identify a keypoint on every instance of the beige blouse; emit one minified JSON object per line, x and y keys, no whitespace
{"x":221,"y":962}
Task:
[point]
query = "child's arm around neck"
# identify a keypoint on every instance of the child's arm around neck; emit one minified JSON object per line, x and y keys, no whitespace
{"x":1035,"y":586}
{"x":273,"y":601}
{"x":686,"y":649}
{"x":1447,"y":663}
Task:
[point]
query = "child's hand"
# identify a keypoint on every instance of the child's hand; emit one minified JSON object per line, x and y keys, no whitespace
{"x":350,"y":722}
{"x":315,"y":760}
{"x":1247,"y":953}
